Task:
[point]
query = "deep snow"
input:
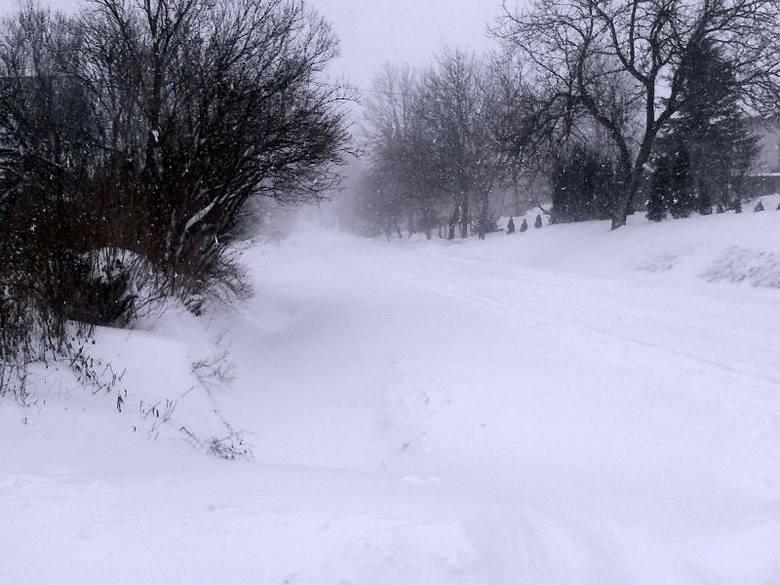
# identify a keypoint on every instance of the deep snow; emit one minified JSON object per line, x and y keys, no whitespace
{"x":567,"y":405}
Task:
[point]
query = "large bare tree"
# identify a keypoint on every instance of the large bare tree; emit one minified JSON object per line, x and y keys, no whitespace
{"x":620,"y":64}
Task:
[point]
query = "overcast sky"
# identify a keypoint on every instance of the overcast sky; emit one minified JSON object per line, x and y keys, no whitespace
{"x":374,"y":32}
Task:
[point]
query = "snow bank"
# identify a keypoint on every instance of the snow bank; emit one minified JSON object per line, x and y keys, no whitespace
{"x":717,"y":248}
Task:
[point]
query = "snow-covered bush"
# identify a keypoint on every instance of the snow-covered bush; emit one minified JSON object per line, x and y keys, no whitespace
{"x":737,"y":265}
{"x":127,"y":168}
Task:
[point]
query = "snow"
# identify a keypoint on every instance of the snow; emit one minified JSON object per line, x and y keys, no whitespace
{"x":568,"y":405}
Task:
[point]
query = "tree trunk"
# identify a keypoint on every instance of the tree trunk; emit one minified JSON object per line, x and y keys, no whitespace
{"x":627,"y":188}
{"x":483,"y":215}
{"x":464,"y":216}
{"x":428,"y":220}
{"x":620,"y":215}
{"x":453,"y":220}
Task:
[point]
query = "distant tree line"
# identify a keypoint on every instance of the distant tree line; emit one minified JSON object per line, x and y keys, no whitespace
{"x":616,"y":102}
{"x":437,"y":145}
{"x":134,"y":138}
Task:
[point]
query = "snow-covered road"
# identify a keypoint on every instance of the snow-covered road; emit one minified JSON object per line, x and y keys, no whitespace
{"x":434,"y":413}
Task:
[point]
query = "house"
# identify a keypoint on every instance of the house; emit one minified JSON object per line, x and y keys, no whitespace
{"x":764,"y":175}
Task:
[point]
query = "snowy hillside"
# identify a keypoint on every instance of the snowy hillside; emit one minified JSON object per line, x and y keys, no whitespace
{"x":567,"y":405}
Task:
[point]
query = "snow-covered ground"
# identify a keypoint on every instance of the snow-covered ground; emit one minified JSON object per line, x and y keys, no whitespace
{"x":568,"y":405}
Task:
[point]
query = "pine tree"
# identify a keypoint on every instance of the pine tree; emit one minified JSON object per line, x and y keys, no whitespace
{"x":583,"y":182}
{"x":538,"y":221}
{"x":658,"y":201}
{"x":712,"y":127}
{"x":510,"y":227}
{"x":683,"y":197}
{"x":705,"y":202}
{"x":670,"y":186}
{"x":524,"y":226}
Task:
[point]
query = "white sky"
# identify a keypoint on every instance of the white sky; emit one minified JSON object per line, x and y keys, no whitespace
{"x":374,"y":32}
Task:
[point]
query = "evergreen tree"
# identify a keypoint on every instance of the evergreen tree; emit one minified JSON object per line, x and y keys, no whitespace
{"x":583,"y":181}
{"x":705,"y":202}
{"x":670,"y":187}
{"x":524,"y":226}
{"x":658,"y":201}
{"x":712,"y":127}
{"x":510,"y":227}
{"x":538,"y":221}
{"x":683,"y":197}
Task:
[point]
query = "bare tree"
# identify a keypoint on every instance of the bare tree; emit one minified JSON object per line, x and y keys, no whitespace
{"x":457,"y":104}
{"x":400,"y":149}
{"x":513,"y":118}
{"x":607,"y":59}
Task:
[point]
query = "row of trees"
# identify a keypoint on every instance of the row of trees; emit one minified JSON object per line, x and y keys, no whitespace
{"x":610,"y":99}
{"x":438,"y":141}
{"x":134,"y":137}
